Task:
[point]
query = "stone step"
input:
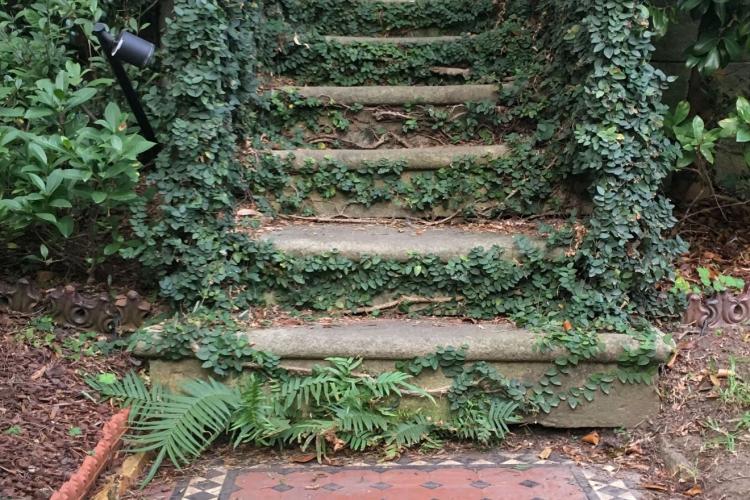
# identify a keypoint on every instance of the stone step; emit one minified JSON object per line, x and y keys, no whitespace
{"x":368,"y":17}
{"x":512,"y":351}
{"x":392,"y":40}
{"x":315,"y":59}
{"x":354,"y":241}
{"x":399,"y":94}
{"x":431,"y":158}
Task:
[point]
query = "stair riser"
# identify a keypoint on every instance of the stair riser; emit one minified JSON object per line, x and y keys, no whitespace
{"x":627,"y":405}
{"x":318,"y":61}
{"x":478,"y":186}
{"x":339,"y":127}
{"x":364,"y":17}
{"x":349,"y":269}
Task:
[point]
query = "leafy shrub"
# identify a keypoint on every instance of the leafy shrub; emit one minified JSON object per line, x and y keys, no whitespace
{"x":68,"y":165}
{"x":724,"y":30}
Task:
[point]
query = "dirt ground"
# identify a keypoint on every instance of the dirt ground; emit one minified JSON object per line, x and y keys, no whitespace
{"x":49,"y":417}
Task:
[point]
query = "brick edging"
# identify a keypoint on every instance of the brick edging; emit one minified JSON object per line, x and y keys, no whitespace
{"x":84,"y":478}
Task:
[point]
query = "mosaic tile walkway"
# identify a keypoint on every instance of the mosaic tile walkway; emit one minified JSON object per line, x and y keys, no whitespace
{"x":496,"y":476}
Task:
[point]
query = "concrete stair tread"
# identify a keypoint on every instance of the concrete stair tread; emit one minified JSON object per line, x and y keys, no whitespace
{"x":354,"y":240}
{"x":425,"y":158}
{"x":406,"y":339}
{"x":403,"y":339}
{"x":400,"y":94}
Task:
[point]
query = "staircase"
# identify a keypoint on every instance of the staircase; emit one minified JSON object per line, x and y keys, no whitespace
{"x":412,"y":109}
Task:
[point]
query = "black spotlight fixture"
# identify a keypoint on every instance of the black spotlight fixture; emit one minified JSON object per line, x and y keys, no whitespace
{"x":132,"y":49}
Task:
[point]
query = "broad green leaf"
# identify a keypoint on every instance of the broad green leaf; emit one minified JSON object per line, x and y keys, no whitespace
{"x":80,"y":96}
{"x":116,"y":143}
{"x":54,"y":180}
{"x":38,"y":182}
{"x":37,"y":152}
{"x":728,"y":126}
{"x":38,"y":112}
{"x":11,"y":112}
{"x":8,"y":135}
{"x":698,"y":127}
{"x":65,"y":226}
{"x":112,"y":116}
{"x":46,"y":216}
{"x":98,"y":196}
{"x":60,"y":203}
{"x":681,"y":112}
{"x":743,"y":109}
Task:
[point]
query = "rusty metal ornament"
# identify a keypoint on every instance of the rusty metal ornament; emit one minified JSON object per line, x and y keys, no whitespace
{"x":72,"y":308}
{"x":133,"y":310}
{"x":21,"y":297}
{"x":721,"y":310}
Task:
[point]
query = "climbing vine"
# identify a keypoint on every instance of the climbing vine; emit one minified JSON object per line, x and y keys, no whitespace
{"x":311,"y":59}
{"x":471,"y":186}
{"x":614,"y":135}
{"x":353,"y":17}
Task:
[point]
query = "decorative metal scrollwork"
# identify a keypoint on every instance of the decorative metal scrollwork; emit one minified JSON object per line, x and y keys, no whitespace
{"x":68,"y":306}
{"x":720,"y":310}
{"x":21,"y":297}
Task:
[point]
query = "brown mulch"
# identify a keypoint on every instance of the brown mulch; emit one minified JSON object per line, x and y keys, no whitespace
{"x":718,"y":243}
{"x":49,"y":418}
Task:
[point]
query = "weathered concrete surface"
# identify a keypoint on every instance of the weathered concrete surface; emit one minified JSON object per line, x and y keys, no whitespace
{"x":356,"y":240}
{"x":393,"y":339}
{"x":431,"y":158}
{"x":340,"y":205}
{"x":401,"y":94}
{"x":394,"y":40}
{"x":511,"y":350}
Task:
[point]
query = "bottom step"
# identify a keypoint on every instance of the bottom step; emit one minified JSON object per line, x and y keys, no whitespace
{"x":512,"y":351}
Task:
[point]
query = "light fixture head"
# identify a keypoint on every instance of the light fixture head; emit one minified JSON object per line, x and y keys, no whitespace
{"x":126,"y":47}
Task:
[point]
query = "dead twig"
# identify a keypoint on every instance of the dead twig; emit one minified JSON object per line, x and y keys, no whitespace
{"x":382,"y":114}
{"x":406,"y":299}
{"x":343,"y":219}
{"x":446,"y":219}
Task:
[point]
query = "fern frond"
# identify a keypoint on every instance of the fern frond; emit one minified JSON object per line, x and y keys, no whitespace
{"x":410,"y":432}
{"x":341,"y":368}
{"x":304,"y":389}
{"x":255,"y":420}
{"x":362,"y":440}
{"x":131,"y":392}
{"x":181,"y":426}
{"x":358,"y":420}
{"x":500,"y":415}
{"x":389,"y":383}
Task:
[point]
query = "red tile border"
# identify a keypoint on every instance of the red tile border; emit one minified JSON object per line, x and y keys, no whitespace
{"x":79,"y":483}
{"x":454,"y":482}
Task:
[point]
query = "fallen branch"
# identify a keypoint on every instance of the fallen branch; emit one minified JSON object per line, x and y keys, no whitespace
{"x":406,"y":299}
{"x":446,"y":219}
{"x":448,"y":71}
{"x":381,"y":114}
{"x":344,"y":220}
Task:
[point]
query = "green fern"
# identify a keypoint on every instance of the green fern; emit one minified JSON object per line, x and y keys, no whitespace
{"x":181,"y":426}
{"x":131,"y":392}
{"x":500,"y":415}
{"x":256,"y":421}
{"x":410,"y":432}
